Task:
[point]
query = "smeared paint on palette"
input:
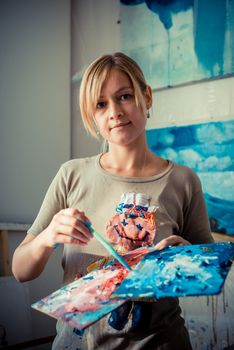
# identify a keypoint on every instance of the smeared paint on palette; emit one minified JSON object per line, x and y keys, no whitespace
{"x":174,"y":271}
{"x":87,"y":299}
{"x":179,"y":271}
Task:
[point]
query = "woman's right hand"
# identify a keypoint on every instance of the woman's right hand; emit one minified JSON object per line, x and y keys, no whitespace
{"x":67,"y":226}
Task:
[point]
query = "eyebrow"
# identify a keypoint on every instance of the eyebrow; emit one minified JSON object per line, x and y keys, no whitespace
{"x":120,"y":90}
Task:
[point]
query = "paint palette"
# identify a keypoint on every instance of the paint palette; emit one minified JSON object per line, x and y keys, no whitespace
{"x":179,"y":271}
{"x":87,"y":299}
{"x":174,"y":271}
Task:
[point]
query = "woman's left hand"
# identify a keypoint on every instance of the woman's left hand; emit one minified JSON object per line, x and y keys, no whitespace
{"x":171,"y":240}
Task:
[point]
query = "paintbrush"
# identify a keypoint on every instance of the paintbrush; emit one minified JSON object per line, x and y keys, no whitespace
{"x":108,"y":247}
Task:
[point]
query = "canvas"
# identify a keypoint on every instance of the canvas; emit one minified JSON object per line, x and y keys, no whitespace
{"x":207,"y":149}
{"x":173,"y":271}
{"x":178,"y":41}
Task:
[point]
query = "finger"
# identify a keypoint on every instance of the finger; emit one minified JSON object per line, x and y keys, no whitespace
{"x":75,"y":213}
{"x":75,"y":222}
{"x":81,"y":227}
{"x":73,"y":233}
{"x":67,"y":239}
{"x":173,"y":240}
{"x":83,"y":218}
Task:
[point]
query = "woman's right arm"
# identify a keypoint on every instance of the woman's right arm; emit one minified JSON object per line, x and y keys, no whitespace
{"x":31,"y":256}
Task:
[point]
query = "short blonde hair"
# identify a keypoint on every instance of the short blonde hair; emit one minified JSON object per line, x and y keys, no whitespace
{"x":94,"y":78}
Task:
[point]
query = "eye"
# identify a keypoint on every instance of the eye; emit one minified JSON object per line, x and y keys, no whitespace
{"x":125,"y":97}
{"x":101,"y":105}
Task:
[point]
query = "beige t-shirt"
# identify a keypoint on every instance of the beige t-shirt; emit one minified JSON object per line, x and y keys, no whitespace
{"x":83,"y":184}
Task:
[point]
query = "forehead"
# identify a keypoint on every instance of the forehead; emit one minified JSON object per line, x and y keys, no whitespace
{"x":115,"y":80}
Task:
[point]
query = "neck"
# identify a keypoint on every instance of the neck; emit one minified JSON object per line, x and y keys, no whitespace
{"x":126,"y":160}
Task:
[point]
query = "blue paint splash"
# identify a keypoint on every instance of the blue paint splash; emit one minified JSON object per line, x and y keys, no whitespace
{"x":221,"y":214}
{"x":163,"y":8}
{"x":209,"y":33}
{"x":208,"y":149}
{"x":179,"y":271}
{"x":209,"y":21}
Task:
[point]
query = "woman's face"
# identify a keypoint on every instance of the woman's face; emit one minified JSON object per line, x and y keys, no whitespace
{"x":117,"y":116}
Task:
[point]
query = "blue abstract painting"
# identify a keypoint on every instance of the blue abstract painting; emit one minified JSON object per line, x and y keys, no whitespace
{"x":209,"y":150}
{"x":179,"y":41}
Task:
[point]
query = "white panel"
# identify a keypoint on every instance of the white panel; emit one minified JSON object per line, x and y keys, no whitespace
{"x":192,"y":104}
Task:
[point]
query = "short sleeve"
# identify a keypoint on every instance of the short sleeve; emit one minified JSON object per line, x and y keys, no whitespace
{"x":54,"y":201}
{"x":196,"y":222}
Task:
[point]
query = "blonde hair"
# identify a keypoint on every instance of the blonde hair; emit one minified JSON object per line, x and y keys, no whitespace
{"x":94,"y":78}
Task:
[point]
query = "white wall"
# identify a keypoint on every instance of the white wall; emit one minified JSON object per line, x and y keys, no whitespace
{"x":34,"y":102}
{"x":95,"y":31}
{"x":34,"y":139}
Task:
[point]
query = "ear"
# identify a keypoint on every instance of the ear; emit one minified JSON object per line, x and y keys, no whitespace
{"x":148,"y":97}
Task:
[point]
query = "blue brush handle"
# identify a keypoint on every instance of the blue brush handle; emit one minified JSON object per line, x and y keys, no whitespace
{"x":108,"y":247}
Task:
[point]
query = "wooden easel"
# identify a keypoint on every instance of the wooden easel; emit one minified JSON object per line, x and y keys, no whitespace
{"x":5,"y":269}
{"x":5,"y":229}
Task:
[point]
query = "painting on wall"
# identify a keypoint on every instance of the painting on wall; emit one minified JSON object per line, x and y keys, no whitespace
{"x":179,"y":41}
{"x":209,"y":150}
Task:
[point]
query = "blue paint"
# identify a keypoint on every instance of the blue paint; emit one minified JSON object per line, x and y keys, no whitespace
{"x":163,"y":8}
{"x":119,"y":317}
{"x":221,"y":214}
{"x":138,"y":313}
{"x":88,"y":277}
{"x":206,"y":34}
{"x":56,"y":245}
{"x":209,"y":150}
{"x":108,"y":246}
{"x":208,"y":139}
{"x":78,"y":332}
{"x":210,"y":28}
{"x":159,"y":278}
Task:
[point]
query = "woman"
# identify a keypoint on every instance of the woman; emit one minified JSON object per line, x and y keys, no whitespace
{"x":129,"y":194}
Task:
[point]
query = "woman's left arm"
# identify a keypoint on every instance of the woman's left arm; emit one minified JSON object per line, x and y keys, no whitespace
{"x":196,"y":225}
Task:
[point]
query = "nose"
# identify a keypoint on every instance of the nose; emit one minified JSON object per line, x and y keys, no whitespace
{"x":115,"y":111}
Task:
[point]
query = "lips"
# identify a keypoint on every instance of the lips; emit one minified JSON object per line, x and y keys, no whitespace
{"x":120,"y":124}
